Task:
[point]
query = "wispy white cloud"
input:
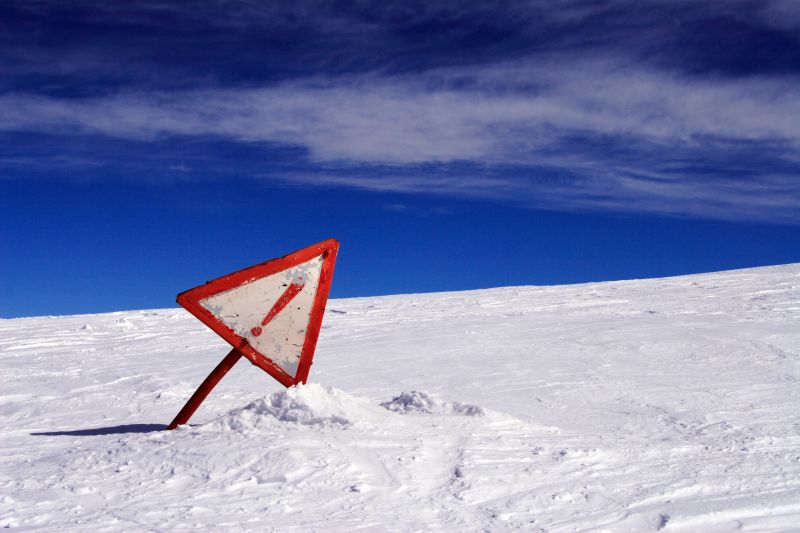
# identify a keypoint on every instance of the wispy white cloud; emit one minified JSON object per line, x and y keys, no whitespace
{"x":783,"y":14}
{"x":557,"y":131}
{"x":506,"y":113}
{"x":773,"y":199}
{"x":418,"y":211}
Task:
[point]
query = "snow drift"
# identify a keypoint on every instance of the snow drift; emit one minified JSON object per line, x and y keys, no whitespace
{"x":650,"y":405}
{"x":309,"y":405}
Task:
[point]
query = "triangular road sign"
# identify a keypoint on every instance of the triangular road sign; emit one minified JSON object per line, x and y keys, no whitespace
{"x":270,"y":313}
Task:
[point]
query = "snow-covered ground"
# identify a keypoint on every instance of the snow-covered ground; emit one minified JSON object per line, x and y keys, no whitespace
{"x":667,"y":404}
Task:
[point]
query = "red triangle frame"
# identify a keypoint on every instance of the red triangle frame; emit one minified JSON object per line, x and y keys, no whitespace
{"x":190,"y":300}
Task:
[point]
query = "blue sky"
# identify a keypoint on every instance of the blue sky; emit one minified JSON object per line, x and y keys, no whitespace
{"x":148,"y":147}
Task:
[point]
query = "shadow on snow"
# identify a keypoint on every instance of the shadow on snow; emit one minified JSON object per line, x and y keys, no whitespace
{"x":111,"y":430}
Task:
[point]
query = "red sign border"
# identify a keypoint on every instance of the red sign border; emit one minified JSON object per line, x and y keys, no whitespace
{"x":190,"y":300}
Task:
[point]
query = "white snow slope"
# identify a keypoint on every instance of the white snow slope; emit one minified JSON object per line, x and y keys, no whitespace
{"x":665,"y":404}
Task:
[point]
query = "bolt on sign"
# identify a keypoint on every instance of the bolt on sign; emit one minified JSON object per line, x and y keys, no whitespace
{"x":270,"y":313}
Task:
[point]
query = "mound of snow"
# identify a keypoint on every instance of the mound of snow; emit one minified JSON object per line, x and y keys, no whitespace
{"x":323,"y":406}
{"x":308,"y":405}
{"x":421,"y":402}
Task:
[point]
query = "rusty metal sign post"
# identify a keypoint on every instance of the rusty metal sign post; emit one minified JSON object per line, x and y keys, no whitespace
{"x":270,"y":313}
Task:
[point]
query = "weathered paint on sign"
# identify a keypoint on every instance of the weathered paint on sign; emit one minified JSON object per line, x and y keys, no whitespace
{"x":271,"y":313}
{"x":245,"y":308}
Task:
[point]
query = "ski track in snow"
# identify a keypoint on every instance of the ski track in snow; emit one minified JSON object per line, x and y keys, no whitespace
{"x":650,"y":405}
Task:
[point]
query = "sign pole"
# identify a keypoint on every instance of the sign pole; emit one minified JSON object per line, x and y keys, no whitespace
{"x":205,"y":388}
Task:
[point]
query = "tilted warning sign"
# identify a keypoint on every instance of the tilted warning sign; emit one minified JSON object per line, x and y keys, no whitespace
{"x":270,"y":313}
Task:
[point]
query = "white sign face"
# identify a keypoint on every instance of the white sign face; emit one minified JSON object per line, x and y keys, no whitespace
{"x":272,"y":313}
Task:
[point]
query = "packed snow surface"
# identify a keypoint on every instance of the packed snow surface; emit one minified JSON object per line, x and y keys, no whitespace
{"x":654,"y":405}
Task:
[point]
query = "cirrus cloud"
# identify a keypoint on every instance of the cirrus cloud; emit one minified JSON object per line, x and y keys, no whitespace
{"x":569,"y":120}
